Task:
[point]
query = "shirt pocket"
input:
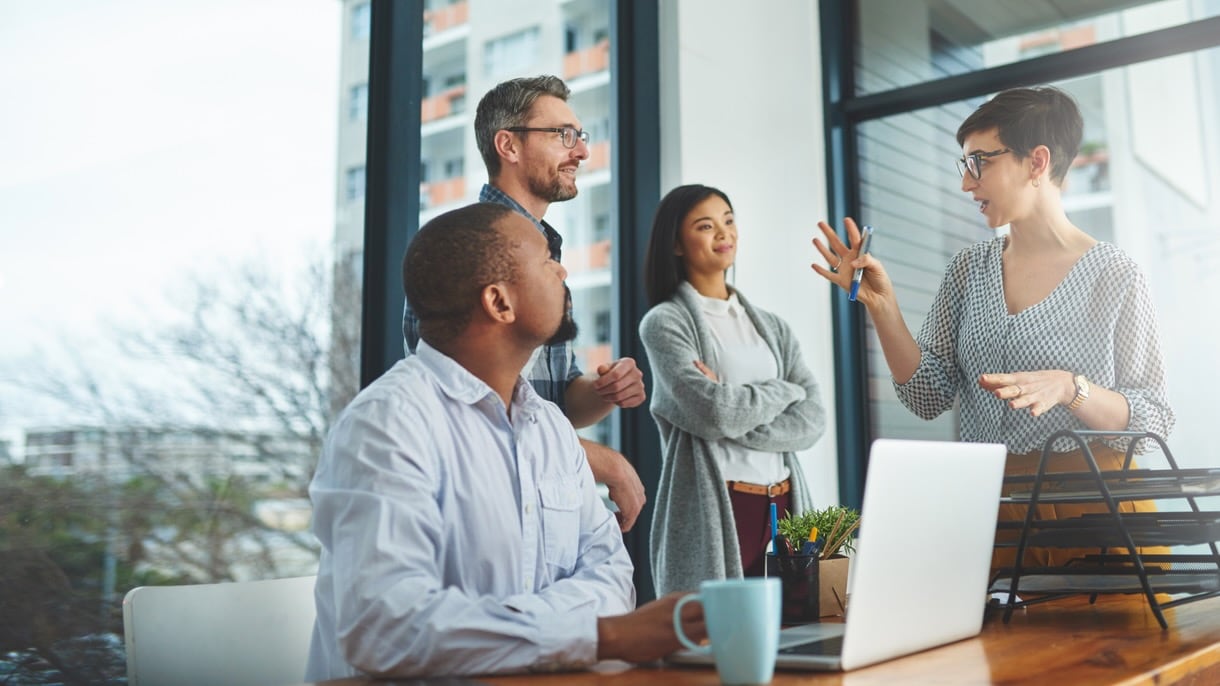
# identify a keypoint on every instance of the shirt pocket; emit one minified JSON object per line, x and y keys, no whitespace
{"x":560,"y":499}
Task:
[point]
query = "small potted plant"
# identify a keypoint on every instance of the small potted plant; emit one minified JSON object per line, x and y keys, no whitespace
{"x":832,"y":528}
{"x":832,"y":533}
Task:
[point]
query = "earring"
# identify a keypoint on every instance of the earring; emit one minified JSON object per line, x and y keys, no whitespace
{"x":1037,"y":183}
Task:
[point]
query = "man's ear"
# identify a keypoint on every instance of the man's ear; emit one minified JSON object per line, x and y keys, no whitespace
{"x":508,"y":146}
{"x":497,"y":304}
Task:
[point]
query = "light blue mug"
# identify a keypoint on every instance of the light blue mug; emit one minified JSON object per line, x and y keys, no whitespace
{"x":742,"y":617}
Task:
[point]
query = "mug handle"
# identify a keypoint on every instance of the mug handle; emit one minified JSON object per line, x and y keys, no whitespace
{"x":678,"y":625}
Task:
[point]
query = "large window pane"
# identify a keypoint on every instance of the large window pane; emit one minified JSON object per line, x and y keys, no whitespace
{"x":469,"y":47}
{"x":905,"y":42}
{"x":180,"y":305}
{"x":1145,"y":179}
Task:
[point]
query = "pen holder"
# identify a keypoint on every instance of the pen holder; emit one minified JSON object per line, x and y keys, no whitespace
{"x":799,"y":594}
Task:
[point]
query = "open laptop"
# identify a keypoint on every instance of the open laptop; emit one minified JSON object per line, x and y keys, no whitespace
{"x":919,"y":575}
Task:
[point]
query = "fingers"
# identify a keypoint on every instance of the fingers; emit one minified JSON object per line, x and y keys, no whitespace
{"x":1024,"y":391}
{"x":834,"y":242}
{"x":706,"y":371}
{"x":840,"y":257}
{"x":628,"y":494}
{"x":647,"y":633}
{"x":621,"y":383}
{"x":613,"y":469}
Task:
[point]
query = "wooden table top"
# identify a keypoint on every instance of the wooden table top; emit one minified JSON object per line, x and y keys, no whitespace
{"x":1115,"y":641}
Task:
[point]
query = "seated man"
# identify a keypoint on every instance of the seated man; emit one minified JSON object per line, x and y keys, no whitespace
{"x":461,"y":531}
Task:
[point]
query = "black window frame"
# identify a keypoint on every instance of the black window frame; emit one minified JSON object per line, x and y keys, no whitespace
{"x":844,"y":112}
{"x":396,"y":89}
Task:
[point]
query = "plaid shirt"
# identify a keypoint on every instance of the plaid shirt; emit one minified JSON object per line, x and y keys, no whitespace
{"x":555,"y":366}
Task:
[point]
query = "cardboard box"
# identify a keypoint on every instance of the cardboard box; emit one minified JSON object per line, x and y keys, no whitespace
{"x":832,"y":585}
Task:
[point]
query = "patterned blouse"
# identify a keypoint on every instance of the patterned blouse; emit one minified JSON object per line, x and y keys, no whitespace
{"x":1099,"y":321}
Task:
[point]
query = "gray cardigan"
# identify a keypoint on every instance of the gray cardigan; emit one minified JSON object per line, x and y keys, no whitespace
{"x":693,"y":534}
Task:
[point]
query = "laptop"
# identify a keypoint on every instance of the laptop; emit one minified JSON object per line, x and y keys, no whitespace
{"x":919,"y":575}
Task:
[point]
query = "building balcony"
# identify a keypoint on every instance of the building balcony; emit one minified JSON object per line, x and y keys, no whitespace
{"x":438,"y":193}
{"x":587,"y":61}
{"x":595,"y":355}
{"x":1058,"y":40}
{"x":445,"y":18}
{"x":443,"y":104}
{"x":599,"y":157}
{"x":586,"y":258}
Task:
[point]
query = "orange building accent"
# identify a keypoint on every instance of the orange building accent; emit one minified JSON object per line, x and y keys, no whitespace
{"x":436,"y":21}
{"x":584,"y":258}
{"x":445,"y":191}
{"x":599,"y":157}
{"x":587,"y":61}
{"x":440,"y":105}
{"x":595,"y":355}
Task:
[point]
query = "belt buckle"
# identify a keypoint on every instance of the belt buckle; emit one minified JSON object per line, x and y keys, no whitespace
{"x":773,"y":490}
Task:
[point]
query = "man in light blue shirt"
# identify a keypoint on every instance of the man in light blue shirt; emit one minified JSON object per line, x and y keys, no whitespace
{"x":460,"y":527}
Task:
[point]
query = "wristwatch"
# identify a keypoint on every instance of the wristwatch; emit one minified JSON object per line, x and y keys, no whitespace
{"x":1082,"y":391}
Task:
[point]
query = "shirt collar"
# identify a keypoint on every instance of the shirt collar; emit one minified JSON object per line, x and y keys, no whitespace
{"x":458,"y":383}
{"x":554,"y":241}
{"x":716,"y":306}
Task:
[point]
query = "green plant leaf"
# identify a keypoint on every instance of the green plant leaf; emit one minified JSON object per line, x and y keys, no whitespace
{"x":796,"y":528}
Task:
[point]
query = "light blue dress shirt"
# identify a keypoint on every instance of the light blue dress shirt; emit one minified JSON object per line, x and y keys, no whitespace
{"x":456,"y":540}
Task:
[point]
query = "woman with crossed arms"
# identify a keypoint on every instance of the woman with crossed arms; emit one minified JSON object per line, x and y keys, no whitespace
{"x":731,"y":396}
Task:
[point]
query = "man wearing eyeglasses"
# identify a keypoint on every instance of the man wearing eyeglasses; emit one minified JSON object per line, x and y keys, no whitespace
{"x":532,"y":144}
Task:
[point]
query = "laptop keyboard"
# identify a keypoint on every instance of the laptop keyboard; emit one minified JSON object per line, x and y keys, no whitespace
{"x":832,"y":646}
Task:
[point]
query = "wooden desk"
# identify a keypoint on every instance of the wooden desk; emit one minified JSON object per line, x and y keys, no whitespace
{"x":1115,"y":641}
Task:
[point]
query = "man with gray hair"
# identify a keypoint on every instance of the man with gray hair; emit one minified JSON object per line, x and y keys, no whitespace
{"x":532,"y":144}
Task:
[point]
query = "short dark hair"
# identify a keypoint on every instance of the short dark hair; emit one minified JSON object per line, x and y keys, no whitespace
{"x":508,"y":105}
{"x":663,"y":270}
{"x":1028,"y":117}
{"x":449,"y":262}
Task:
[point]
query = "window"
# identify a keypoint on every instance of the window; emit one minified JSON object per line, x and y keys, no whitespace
{"x":451,"y":176}
{"x":515,"y":52}
{"x":905,"y":43}
{"x":358,"y":102}
{"x":1143,"y":178}
{"x":155,"y":418}
{"x":354,"y":184}
{"x":362,"y":20}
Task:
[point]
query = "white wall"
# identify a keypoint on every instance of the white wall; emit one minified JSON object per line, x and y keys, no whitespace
{"x":741,"y":110}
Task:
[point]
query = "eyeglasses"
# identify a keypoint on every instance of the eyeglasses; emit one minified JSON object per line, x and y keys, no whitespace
{"x":973,"y":163}
{"x":567,"y":134}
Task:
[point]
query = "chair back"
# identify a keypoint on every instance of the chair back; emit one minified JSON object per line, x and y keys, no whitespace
{"x":253,"y":633}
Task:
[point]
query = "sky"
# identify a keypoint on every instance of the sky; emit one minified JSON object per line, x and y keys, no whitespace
{"x":140,"y":139}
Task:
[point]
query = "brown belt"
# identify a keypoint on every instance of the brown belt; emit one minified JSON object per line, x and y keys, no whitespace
{"x":759,"y":489}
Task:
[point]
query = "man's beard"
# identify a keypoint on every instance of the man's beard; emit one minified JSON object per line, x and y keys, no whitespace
{"x":567,"y":327}
{"x":551,"y":189}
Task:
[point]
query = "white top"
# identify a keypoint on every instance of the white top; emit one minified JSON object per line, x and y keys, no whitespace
{"x":455,"y":540}
{"x":744,"y":358}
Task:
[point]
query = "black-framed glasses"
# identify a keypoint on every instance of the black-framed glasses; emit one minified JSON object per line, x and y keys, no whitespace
{"x":567,"y":134}
{"x":973,"y":162}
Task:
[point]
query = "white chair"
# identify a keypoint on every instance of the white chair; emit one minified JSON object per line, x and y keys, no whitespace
{"x":253,"y":633}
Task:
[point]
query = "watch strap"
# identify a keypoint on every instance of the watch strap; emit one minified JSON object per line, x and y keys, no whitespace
{"x":1082,"y":391}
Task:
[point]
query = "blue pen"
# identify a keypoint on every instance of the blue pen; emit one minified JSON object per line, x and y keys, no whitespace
{"x":774,"y":530}
{"x":859,"y":275}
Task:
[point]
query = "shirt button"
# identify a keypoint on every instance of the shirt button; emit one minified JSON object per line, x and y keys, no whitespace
{"x":529,"y":508}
